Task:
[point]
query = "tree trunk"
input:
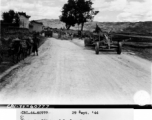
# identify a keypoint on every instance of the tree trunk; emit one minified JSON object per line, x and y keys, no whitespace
{"x":82,"y":24}
{"x":68,"y":26}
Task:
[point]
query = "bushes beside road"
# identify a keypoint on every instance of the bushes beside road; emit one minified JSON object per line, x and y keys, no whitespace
{"x":6,"y":37}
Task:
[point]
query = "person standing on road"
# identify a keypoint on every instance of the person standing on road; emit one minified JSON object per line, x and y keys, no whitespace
{"x":71,"y":36}
{"x":35,"y":45}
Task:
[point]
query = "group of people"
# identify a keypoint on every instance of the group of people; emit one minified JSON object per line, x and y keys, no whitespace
{"x":65,"y":34}
{"x":22,"y":46}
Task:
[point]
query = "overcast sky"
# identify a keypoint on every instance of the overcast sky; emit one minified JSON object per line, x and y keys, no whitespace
{"x":110,"y":10}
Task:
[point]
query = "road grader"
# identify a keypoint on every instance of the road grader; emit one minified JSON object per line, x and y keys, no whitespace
{"x":102,"y":41}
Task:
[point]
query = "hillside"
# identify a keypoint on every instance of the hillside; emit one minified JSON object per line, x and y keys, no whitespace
{"x":53,"y":23}
{"x":129,"y":27}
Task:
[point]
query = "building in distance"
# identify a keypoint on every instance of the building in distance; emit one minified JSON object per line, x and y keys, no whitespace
{"x":24,"y":20}
{"x":36,"y":26}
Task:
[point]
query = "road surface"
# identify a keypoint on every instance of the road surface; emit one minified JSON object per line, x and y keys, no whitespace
{"x":67,"y":73}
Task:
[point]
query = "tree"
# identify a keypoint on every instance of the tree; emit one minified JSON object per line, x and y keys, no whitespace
{"x":77,"y":12}
{"x":17,"y":19}
{"x":5,"y":17}
{"x":84,"y":12}
{"x":68,"y":14}
{"x":11,"y":17}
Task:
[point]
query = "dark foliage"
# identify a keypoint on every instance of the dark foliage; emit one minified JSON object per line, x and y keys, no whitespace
{"x":77,"y":12}
{"x":68,"y":14}
{"x":11,"y":17}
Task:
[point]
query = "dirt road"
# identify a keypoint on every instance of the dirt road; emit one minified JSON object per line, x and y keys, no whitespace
{"x":67,"y":73}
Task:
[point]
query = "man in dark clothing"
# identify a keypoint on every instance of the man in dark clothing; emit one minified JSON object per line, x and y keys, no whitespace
{"x":35,"y":45}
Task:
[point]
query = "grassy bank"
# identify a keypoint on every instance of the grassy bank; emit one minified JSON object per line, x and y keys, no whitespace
{"x":143,"y":52}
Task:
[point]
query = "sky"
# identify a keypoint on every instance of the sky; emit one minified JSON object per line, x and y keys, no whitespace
{"x":109,"y":10}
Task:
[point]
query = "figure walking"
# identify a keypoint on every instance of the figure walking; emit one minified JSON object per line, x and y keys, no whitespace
{"x":35,"y":45}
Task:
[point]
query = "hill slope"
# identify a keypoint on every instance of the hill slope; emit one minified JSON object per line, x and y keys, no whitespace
{"x":133,"y":27}
{"x":53,"y":23}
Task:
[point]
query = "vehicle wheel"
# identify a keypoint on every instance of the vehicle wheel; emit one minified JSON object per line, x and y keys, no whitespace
{"x":97,"y":48}
{"x":119,"y":49}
